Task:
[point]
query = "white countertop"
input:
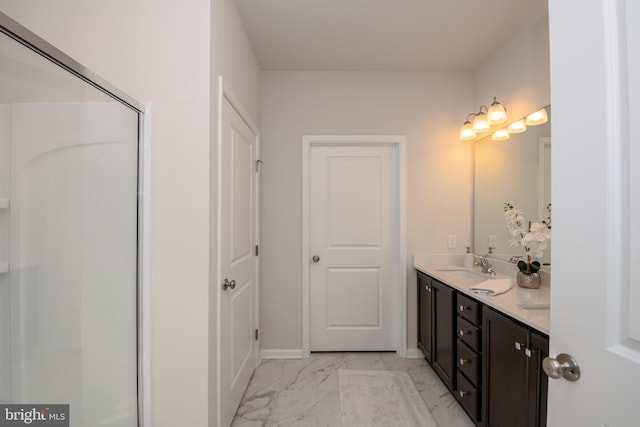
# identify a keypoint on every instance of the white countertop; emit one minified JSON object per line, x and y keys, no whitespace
{"x":511,"y":303}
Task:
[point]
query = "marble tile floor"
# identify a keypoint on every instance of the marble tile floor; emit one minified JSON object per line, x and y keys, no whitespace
{"x":304,"y":392}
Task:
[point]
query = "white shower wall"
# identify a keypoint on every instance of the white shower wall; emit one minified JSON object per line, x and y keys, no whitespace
{"x":73,"y":249}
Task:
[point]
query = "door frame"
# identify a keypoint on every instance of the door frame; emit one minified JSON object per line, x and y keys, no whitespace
{"x":399,"y":143}
{"x":228,"y":94}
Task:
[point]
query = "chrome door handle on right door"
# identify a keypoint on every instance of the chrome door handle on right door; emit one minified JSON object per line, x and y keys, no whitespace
{"x":562,"y":366}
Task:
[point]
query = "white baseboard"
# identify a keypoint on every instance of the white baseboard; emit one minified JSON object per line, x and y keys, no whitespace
{"x":414,"y":353}
{"x":293,"y":353}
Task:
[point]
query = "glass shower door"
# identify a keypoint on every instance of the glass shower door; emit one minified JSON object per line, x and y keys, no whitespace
{"x":68,"y":242}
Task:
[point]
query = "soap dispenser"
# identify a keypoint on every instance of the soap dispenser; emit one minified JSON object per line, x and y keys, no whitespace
{"x":468,"y":258}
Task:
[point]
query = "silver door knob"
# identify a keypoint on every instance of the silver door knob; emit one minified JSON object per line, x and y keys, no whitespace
{"x":315,"y":258}
{"x":228,"y":284}
{"x":563,"y":366}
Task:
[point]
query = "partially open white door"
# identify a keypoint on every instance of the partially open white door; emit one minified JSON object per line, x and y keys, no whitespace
{"x":595,"y":293}
{"x":238,"y":261}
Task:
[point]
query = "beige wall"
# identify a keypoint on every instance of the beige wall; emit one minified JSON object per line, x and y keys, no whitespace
{"x":233,"y":59}
{"x":163,"y":52}
{"x":170,"y":55}
{"x":426,"y":107}
{"x":517,"y":73}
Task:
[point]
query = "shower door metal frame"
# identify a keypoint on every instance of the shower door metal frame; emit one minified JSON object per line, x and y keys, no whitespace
{"x":35,"y":43}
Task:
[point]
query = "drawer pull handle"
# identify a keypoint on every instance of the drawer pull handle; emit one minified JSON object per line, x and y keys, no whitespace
{"x":465,"y":307}
{"x":463,"y":333}
{"x":464,"y":393}
{"x":463,"y":361}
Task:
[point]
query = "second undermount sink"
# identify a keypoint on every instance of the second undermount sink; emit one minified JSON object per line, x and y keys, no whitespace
{"x":465,"y":274}
{"x":534,"y":305}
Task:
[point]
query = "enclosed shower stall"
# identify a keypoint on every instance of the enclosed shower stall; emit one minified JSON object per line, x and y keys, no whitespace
{"x":69,"y":156}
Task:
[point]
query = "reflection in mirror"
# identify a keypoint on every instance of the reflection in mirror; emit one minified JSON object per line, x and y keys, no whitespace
{"x":518,"y":171}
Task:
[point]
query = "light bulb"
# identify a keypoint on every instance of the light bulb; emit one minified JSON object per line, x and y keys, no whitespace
{"x":537,"y":118}
{"x":466,"y":131}
{"x":496,"y":114}
{"x":480,"y":123}
{"x":517,"y":127}
{"x":500,"y":135}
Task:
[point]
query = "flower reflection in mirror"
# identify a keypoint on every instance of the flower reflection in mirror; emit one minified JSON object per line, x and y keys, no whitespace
{"x":534,"y":237}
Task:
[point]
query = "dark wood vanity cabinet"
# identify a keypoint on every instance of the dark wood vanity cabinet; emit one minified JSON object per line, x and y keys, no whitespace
{"x":436,"y":327}
{"x":515,"y":388}
{"x":489,"y":361}
{"x":538,"y":386}
{"x":469,"y":356}
{"x":425,"y":317}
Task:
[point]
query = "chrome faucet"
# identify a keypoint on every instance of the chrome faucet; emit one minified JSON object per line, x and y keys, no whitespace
{"x":486,"y":266}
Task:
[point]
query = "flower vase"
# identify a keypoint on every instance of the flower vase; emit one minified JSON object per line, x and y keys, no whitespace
{"x":529,"y":281}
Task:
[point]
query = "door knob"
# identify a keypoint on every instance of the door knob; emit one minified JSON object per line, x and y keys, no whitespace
{"x":315,"y":258}
{"x":228,"y":284}
{"x":563,"y":366}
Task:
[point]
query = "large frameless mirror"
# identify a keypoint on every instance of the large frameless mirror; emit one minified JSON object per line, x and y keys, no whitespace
{"x":517,"y":171}
{"x":68,"y":236}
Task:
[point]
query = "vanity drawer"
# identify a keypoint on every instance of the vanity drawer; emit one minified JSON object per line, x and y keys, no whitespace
{"x":469,"y":363}
{"x":468,"y":308}
{"x":469,"y":333}
{"x":468,"y":397}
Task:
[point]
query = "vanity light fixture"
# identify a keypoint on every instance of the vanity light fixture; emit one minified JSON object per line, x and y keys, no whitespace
{"x":483,"y":120}
{"x":497,"y":114}
{"x":500,"y":135}
{"x":517,"y":127}
{"x":537,"y":117}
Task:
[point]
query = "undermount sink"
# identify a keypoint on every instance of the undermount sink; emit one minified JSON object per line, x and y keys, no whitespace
{"x":535,"y":305}
{"x":465,"y":274}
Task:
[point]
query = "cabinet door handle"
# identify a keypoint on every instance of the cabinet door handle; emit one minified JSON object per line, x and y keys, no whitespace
{"x":463,"y":361}
{"x":465,"y":307}
{"x":464,"y":393}
{"x":463,"y":333}
{"x":428,"y":288}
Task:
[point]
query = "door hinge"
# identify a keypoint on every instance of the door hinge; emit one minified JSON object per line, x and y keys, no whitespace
{"x":257,"y":250}
{"x":256,"y":335}
{"x":258,"y":163}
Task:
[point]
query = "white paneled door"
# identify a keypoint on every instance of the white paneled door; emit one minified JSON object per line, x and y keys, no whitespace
{"x":353,"y":218}
{"x":238,"y":269}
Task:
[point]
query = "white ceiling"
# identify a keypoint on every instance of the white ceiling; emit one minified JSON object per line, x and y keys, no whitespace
{"x":381,"y":34}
